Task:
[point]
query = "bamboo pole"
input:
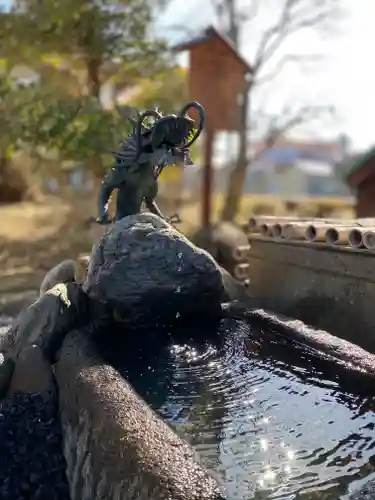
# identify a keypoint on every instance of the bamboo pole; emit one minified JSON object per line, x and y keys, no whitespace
{"x":337,"y":236}
{"x":241,"y":253}
{"x":329,"y":231}
{"x":355,"y":237}
{"x":298,"y":231}
{"x":241,"y":271}
{"x":293,"y":231}
{"x":277,"y":230}
{"x":256,"y":222}
{"x":369,"y":240}
{"x":316,"y":232}
{"x":265,"y":229}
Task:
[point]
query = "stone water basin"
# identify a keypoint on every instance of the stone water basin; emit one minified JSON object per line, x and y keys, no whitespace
{"x":269,"y":422}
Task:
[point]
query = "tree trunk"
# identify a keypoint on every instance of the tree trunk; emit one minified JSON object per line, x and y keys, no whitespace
{"x":95,"y":166}
{"x":12,"y":186}
{"x":93,"y":77}
{"x":94,"y":87}
{"x":237,"y":176}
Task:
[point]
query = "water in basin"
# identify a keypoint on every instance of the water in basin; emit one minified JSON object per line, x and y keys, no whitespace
{"x":267,"y":421}
{"x":270,"y":422}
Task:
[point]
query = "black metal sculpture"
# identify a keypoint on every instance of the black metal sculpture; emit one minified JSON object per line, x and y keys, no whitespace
{"x":143,"y":156}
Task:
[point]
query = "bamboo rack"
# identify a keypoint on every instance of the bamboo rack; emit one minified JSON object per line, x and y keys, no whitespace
{"x":355,"y":233}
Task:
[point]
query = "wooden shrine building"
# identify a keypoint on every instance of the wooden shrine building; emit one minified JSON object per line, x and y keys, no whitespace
{"x":362,"y":178}
{"x":218,"y":78}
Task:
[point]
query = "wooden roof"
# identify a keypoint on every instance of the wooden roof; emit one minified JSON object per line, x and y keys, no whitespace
{"x":362,"y":169}
{"x":209,"y":34}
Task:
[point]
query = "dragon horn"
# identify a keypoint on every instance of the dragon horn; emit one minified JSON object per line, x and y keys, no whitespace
{"x":201,"y":112}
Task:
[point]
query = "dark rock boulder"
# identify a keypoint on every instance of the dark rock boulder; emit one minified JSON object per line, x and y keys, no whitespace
{"x":114,"y":445}
{"x":149,"y":272}
{"x":47,"y":321}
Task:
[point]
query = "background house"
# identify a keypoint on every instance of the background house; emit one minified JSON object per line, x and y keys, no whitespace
{"x":361,"y":179}
{"x":289,"y":169}
{"x":296,"y":169}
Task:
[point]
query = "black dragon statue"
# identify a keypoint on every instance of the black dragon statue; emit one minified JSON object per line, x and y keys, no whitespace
{"x":143,"y":156}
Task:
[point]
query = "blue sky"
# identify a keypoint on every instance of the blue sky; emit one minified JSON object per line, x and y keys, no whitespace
{"x":345,"y":78}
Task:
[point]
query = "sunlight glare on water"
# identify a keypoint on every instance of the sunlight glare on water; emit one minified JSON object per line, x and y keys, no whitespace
{"x":269,"y":430}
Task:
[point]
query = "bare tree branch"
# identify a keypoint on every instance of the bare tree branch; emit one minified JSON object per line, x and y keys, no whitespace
{"x":276,"y":31}
{"x":290,"y":119}
{"x":290,"y":21}
{"x":288,"y":59}
{"x":294,"y":16}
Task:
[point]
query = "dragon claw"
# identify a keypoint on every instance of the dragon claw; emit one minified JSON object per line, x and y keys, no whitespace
{"x":103,"y":221}
{"x":174,"y":219}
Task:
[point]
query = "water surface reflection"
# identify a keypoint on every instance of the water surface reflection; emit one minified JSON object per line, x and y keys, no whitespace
{"x":271,"y":423}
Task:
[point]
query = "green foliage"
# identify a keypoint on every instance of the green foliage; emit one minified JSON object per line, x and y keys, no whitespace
{"x":167,"y":89}
{"x":88,"y":26}
{"x":75,"y":128}
{"x":31,"y":115}
{"x":103,"y":30}
{"x":93,"y":132}
{"x":75,"y":46}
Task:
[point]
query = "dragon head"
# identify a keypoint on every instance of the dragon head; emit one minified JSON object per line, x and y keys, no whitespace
{"x":173,"y":131}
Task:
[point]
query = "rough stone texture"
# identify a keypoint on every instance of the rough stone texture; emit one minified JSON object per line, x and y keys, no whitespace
{"x":115,"y":445}
{"x":338,"y":352}
{"x":367,"y":492}
{"x":44,"y":323}
{"x":143,"y":262}
{"x":32,"y":465}
{"x":68,"y":271}
{"x":62,"y":273}
{"x":330,"y":288}
{"x":37,"y":380}
{"x":47,"y":320}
